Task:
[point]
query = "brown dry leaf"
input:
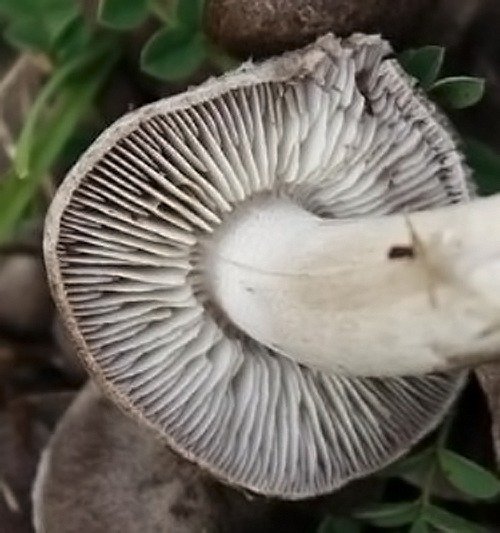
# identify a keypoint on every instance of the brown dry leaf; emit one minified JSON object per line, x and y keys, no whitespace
{"x":489,"y":378}
{"x":18,"y":87}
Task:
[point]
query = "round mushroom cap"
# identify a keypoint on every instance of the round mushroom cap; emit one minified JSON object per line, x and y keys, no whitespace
{"x":101,"y":472}
{"x":338,"y":128}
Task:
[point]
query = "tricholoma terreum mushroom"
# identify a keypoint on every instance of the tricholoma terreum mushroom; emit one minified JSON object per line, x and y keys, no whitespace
{"x":242,"y":268}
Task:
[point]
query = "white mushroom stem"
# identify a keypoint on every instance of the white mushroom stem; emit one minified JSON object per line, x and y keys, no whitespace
{"x":395,"y":295}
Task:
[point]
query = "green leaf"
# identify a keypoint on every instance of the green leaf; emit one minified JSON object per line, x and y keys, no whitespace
{"x":448,"y":522}
{"x":15,"y":196}
{"x":73,"y":40}
{"x":173,"y":54}
{"x":339,"y":525}
{"x":419,"y":526}
{"x":36,"y":24}
{"x":74,"y":104}
{"x":220,"y":59}
{"x":165,"y":10}
{"x":122,"y":14}
{"x":423,"y":63}
{"x":22,"y":160}
{"x":189,"y":14}
{"x":49,"y":128}
{"x":389,"y":514}
{"x":14,"y":8}
{"x":21,"y":35}
{"x":458,"y":92}
{"x":469,"y":477}
{"x":416,"y":463}
{"x":485,"y":163}
{"x":103,"y":52}
{"x":415,"y":469}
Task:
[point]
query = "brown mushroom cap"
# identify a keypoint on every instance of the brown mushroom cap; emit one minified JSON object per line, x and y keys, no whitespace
{"x":102,"y":472}
{"x":261,"y":27}
{"x":337,"y":127}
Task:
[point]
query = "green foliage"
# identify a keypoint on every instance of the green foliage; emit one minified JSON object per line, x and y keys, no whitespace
{"x":177,"y":50}
{"x":486,"y":165}
{"x":179,"y":47}
{"x":467,"y":476}
{"x":458,"y":92}
{"x":15,"y":196}
{"x":81,"y":60}
{"x":448,"y":522}
{"x":38,"y":25}
{"x":424,"y":63}
{"x":387,"y":515}
{"x":423,"y":514}
{"x":173,"y":54}
{"x":81,"y":57}
{"x":72,"y":93}
{"x":419,"y":526}
{"x":189,"y":14}
{"x":122,"y":14}
{"x":417,"y":464}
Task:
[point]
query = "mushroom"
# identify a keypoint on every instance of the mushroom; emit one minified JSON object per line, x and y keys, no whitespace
{"x":103,"y":472}
{"x":242,"y":267}
{"x":264,"y":27}
{"x":100,"y":472}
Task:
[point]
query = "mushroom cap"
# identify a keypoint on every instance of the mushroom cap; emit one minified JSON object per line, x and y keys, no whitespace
{"x":266,"y":27}
{"x":102,"y":472}
{"x":339,"y":128}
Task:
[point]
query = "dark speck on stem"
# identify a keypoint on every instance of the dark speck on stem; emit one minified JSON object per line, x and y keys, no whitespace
{"x":401,"y":252}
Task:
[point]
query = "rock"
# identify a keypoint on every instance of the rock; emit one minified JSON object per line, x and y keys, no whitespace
{"x":25,"y":303}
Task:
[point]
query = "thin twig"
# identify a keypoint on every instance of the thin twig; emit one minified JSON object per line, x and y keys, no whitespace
{"x":9,"y":497}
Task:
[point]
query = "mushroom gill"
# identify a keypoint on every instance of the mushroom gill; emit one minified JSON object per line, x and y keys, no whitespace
{"x":335,"y":128}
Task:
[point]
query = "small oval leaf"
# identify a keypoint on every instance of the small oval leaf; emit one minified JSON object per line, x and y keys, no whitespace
{"x":190,"y":13}
{"x":458,"y":92}
{"x":468,"y":477}
{"x":423,"y":63}
{"x":21,"y":35}
{"x":73,"y":40}
{"x":448,"y":522}
{"x":390,"y":514}
{"x":37,"y":24}
{"x":173,"y":54}
{"x":485,"y":163}
{"x":416,"y":463}
{"x":122,"y":14}
{"x":420,"y":526}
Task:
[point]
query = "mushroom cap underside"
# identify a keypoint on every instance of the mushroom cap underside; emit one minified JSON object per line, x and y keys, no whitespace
{"x":338,"y":128}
